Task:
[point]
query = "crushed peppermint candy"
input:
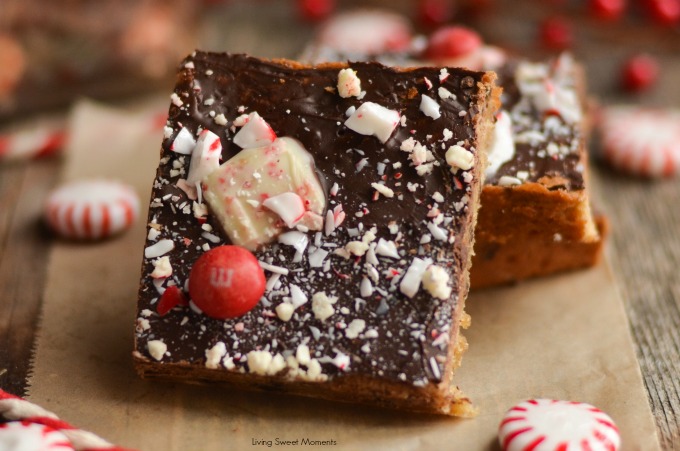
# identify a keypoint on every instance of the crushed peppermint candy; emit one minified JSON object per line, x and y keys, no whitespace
{"x":373,"y":119}
{"x":429,"y":107}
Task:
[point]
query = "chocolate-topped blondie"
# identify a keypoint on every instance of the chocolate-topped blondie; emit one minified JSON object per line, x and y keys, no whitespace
{"x":536,"y":215}
{"x":311,"y":228}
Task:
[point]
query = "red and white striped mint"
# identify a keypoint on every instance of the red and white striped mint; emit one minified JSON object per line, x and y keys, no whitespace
{"x":91,"y":209}
{"x":33,"y":139}
{"x":366,"y":31}
{"x":551,"y":425}
{"x":26,"y":436}
{"x":642,"y":141}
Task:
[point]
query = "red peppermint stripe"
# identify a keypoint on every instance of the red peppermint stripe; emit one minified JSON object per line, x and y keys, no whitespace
{"x":80,"y":440}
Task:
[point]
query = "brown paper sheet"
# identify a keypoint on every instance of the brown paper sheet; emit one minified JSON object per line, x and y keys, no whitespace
{"x":565,"y":337}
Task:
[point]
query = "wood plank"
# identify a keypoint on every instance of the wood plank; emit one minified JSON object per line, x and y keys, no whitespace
{"x":644,"y":251}
{"x":23,"y":263}
{"x":11,"y":178}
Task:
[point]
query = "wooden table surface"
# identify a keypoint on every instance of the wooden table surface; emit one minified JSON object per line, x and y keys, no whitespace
{"x":643,"y":249}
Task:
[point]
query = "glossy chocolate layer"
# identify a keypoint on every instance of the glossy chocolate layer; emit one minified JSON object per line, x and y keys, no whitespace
{"x":533,"y":157}
{"x":403,"y":339}
{"x":564,"y":169}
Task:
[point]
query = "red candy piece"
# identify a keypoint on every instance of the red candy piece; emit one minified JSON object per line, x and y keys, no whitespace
{"x":315,"y":10}
{"x":433,"y":13}
{"x":556,"y":33}
{"x":639,"y":73}
{"x":226,"y":282}
{"x":607,"y":9}
{"x":664,"y":12}
{"x":452,"y":42}
{"x":171,"y":298}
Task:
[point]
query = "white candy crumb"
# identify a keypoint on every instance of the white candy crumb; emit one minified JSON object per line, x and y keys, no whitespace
{"x":382,"y":189}
{"x":174,"y":98}
{"x":444,"y":93}
{"x":322,"y":305}
{"x":435,"y":281}
{"x":157,"y":349}
{"x":507,"y":180}
{"x":285,"y":311}
{"x":458,"y":157}
{"x":302,"y":355}
{"x":161,"y":268}
{"x":366,"y":288}
{"x":386,"y":248}
{"x":349,"y":84}
{"x":429,"y":107}
{"x":159,"y":249}
{"x":184,"y":142}
{"x":410,"y":283}
{"x":214,"y":355}
{"x":355,"y":328}
{"x":373,"y":119}
{"x":220,"y":119}
{"x":153,"y":234}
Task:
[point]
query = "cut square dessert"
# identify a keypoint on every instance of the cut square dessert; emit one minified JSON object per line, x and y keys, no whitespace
{"x":536,"y":218}
{"x":311,"y":229}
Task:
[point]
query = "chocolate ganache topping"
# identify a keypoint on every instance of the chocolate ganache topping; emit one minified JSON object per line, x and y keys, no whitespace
{"x":420,"y":216}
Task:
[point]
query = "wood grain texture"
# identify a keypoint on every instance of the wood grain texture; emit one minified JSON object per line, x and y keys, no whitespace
{"x":23,"y":262}
{"x":644,"y":251}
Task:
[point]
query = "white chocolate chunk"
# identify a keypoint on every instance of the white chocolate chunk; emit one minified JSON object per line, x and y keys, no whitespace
{"x":184,"y":142}
{"x":373,"y":119}
{"x":322,"y":306}
{"x":429,"y":107}
{"x":259,"y":362}
{"x":285,"y":311}
{"x":349,"y":84}
{"x":302,"y":355}
{"x":435,"y":281}
{"x":235,"y":191}
{"x":355,"y":328}
{"x":458,"y":157}
{"x":255,"y":133}
{"x":161,"y":268}
{"x":410,"y":283}
{"x":214,"y":355}
{"x":157,"y":349}
{"x":205,"y":157}
{"x":503,"y":145}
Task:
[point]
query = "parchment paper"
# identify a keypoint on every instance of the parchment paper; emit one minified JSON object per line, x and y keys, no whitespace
{"x":564,"y":337}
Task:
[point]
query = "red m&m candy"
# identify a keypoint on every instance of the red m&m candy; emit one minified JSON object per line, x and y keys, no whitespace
{"x":226,"y":282}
